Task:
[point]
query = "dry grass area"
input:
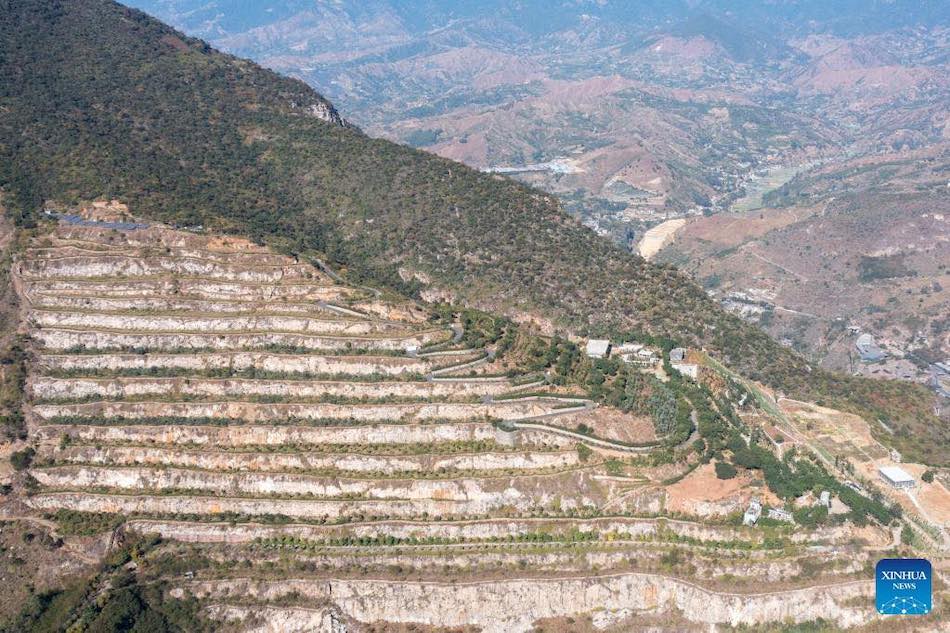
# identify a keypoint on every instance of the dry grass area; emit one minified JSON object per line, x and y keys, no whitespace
{"x":835,"y":432}
{"x":599,"y":624}
{"x":722,"y":231}
{"x":936,"y":499}
{"x":31,"y":557}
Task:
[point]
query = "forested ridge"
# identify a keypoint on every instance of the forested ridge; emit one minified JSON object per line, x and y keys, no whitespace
{"x":97,"y":100}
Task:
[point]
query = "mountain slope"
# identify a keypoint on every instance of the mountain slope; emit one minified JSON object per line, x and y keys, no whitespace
{"x":185,"y":134}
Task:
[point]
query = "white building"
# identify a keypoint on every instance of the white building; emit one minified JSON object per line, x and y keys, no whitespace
{"x":896,"y":477}
{"x":825,"y":499}
{"x":677,"y":354}
{"x":629,"y":348}
{"x":868,"y":349}
{"x":598,"y":348}
{"x":752,"y":513}
{"x":690,"y":370}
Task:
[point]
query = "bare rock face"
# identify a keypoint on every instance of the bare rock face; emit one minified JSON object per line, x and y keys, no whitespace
{"x":325,"y":111}
{"x":300,"y":509}
{"x":280,"y":413}
{"x":278,"y":620}
{"x":490,"y":492}
{"x":514,"y":606}
{"x":57,"y":339}
{"x":72,"y":388}
{"x":260,"y":435}
{"x":623,"y":528}
{"x":228,"y":461}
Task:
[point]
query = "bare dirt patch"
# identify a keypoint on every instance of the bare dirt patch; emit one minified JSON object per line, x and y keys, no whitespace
{"x":730,"y":230}
{"x":932,"y":500}
{"x":659,"y":236}
{"x":701,"y":493}
{"x":936,"y":499}
{"x":610,"y":424}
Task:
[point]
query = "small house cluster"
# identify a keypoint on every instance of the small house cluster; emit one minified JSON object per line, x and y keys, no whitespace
{"x":637,"y":354}
{"x":634,"y":353}
{"x":754,"y":512}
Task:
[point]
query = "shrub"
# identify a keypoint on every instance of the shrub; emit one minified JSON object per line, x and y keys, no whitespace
{"x":583,"y":452}
{"x":725,"y":470}
{"x":812,"y":516}
{"x":21,"y":460}
{"x":907,"y":535}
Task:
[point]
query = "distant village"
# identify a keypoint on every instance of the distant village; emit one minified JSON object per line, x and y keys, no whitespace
{"x":870,"y":354}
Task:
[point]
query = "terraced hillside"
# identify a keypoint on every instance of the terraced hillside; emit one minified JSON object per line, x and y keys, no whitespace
{"x":214,"y":369}
{"x":318,"y":456}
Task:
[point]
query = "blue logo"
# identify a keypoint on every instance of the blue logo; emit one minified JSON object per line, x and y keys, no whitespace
{"x":903,"y":586}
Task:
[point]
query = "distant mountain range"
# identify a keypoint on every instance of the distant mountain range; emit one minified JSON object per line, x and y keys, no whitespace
{"x":664,"y":107}
{"x":537,"y":17}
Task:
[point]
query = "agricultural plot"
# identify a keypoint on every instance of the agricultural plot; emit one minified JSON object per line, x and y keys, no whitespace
{"x":312,"y":443}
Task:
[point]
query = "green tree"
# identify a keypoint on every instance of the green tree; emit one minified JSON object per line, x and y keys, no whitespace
{"x":21,"y":460}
